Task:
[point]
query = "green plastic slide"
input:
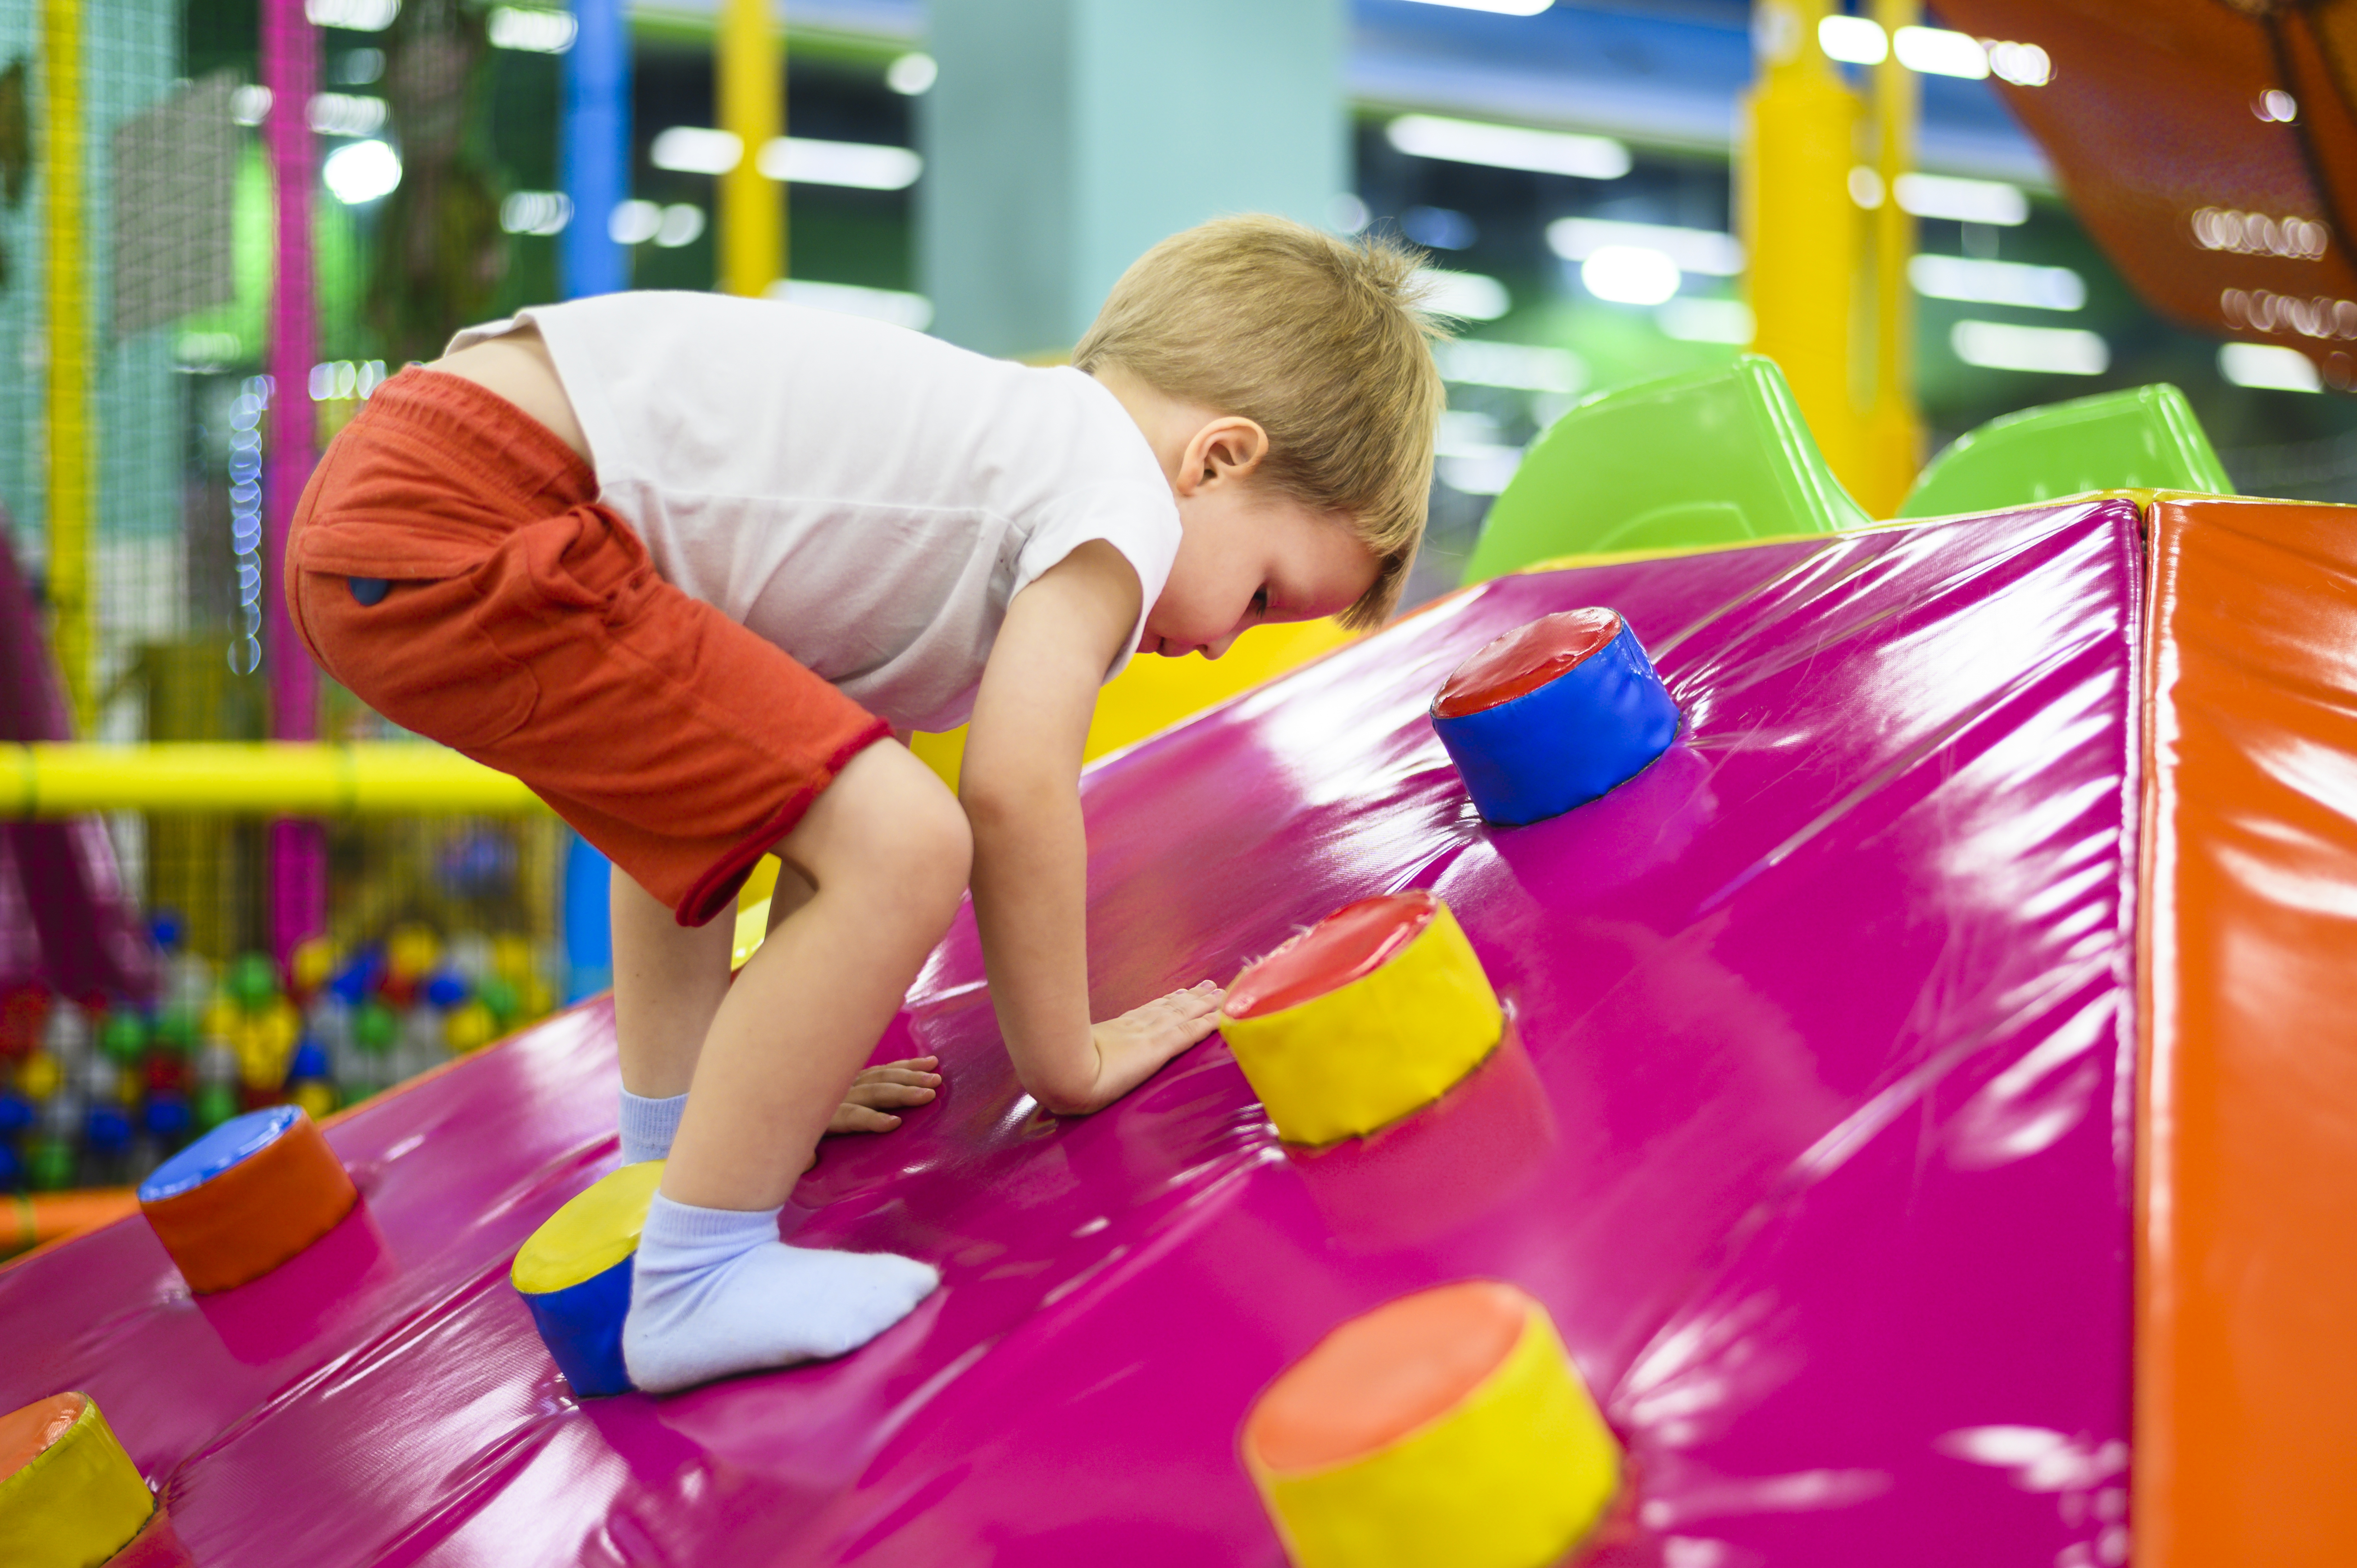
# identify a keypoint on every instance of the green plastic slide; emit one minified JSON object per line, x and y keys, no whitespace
{"x":1698,"y":460}
{"x":2143,"y":438}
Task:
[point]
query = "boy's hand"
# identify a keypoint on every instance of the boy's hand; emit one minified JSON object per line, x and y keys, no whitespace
{"x":1133,"y":1047}
{"x":911,"y":1081}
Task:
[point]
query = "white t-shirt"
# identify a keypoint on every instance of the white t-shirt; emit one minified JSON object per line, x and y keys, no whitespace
{"x":865,"y":497}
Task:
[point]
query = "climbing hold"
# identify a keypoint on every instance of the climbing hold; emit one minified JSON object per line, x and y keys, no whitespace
{"x":246,"y":1197}
{"x":574,"y":1273}
{"x":1379,"y":1008}
{"x":69,"y":1494}
{"x":1448,"y":1426}
{"x":1553,"y":714}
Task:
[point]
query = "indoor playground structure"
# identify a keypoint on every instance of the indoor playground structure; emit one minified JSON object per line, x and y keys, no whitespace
{"x":1793,"y":1014}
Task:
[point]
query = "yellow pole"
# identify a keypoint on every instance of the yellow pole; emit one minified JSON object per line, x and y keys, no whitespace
{"x":71,"y":580}
{"x":752,"y":205}
{"x":1800,"y":228}
{"x":1894,"y":429}
{"x":254,"y":778}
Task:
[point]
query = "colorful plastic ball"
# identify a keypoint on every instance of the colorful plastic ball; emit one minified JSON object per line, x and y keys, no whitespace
{"x":357,"y":979}
{"x":312,"y":962}
{"x":12,"y":1169}
{"x":174,"y":1031}
{"x":534,"y":999}
{"x":374,"y":1027}
{"x":253,"y":981}
{"x":214,"y":1105}
{"x":17,"y":1113}
{"x":316,"y":1096}
{"x":167,"y":1074}
{"x":499,"y":995}
{"x":411,"y":951}
{"x":107,"y":1129}
{"x":447,"y":988}
{"x":470,"y":1028}
{"x":52,"y":1166}
{"x":165,"y":1116}
{"x":39,"y":1075}
{"x":310,"y":1061}
{"x":399,"y":990}
{"x":124,"y":1035}
{"x":511,"y":957}
{"x":166,"y":927}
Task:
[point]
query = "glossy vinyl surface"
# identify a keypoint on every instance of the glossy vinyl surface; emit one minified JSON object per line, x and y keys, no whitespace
{"x":1813,"y":1143}
{"x":2246,"y":1378}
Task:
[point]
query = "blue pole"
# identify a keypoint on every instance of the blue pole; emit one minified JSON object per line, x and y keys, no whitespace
{"x":597,"y":147}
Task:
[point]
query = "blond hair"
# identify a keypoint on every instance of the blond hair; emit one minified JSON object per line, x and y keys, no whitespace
{"x":1324,"y":343}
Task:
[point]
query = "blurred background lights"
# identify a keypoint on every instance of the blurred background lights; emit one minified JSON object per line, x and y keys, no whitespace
{"x":2269,"y":367}
{"x":353,"y":16}
{"x":341,"y":114}
{"x":681,"y":224}
{"x":2275,"y":106}
{"x":1498,"y":7}
{"x":861,"y":165}
{"x":634,"y":223}
{"x":1441,"y":228}
{"x":1705,"y":321}
{"x":1523,"y":367}
{"x":1468,"y":296}
{"x":532,"y":31}
{"x":1347,"y":214}
{"x":1935,"y":51}
{"x":2051,"y":350}
{"x":1854,"y":40}
{"x":1946,"y":195}
{"x":361,"y":172}
{"x":535,"y":212}
{"x":911,"y":74}
{"x":2024,"y":65}
{"x":1705,"y":251}
{"x":2257,"y":234}
{"x":696,"y":149}
{"x":1508,"y":146}
{"x":1996,"y":283}
{"x":1630,"y":274}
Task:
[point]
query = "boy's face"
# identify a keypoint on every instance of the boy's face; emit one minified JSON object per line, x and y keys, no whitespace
{"x":1248,"y":555}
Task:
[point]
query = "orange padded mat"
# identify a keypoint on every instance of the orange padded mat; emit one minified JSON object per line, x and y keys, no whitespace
{"x":2246,"y":1350}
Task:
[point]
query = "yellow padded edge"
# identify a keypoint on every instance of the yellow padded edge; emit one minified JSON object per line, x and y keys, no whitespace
{"x":597,"y":1230}
{"x":1511,"y":1475}
{"x":257,"y":778}
{"x":1366,"y":1054}
{"x":75,"y":1503}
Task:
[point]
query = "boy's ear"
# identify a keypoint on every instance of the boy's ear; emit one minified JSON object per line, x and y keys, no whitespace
{"x":1228,"y":448}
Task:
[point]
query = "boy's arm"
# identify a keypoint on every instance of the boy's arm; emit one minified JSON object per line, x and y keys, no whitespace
{"x":1020,"y":785}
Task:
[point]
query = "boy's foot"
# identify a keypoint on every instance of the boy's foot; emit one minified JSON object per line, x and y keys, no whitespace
{"x":715,"y":1291}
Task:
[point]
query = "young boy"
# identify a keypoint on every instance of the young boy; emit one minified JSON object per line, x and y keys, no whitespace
{"x":682,"y":562}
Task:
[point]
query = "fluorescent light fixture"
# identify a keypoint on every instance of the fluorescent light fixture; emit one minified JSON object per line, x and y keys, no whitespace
{"x":532,"y":31}
{"x":2268,"y":366}
{"x":1705,"y":321}
{"x":911,"y":74}
{"x":1704,"y":251}
{"x":1853,"y":40}
{"x":1470,"y":297}
{"x":1508,"y":146}
{"x":1997,"y":283}
{"x":634,"y":223}
{"x":249,"y":104}
{"x":1496,"y":7}
{"x":2024,"y":65}
{"x":353,"y":15}
{"x":541,"y":213}
{"x":913,"y":311}
{"x":2050,"y":350}
{"x":862,"y":166}
{"x":341,"y":114}
{"x":2257,"y":234}
{"x":1935,"y":51}
{"x":360,"y":172}
{"x":2275,"y":106}
{"x":1470,"y":361}
{"x":1965,"y":200}
{"x":696,"y":149}
{"x":1630,"y":274}
{"x":682,"y":222}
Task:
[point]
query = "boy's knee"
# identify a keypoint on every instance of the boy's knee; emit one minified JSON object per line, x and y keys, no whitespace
{"x":890,"y":822}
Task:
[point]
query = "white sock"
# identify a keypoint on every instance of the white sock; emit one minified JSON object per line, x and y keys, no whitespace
{"x":649,"y":1126}
{"x":715,"y":1291}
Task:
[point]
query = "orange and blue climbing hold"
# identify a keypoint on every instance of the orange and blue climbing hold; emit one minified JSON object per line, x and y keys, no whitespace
{"x":575,"y":1273}
{"x":1446,"y":1426}
{"x":70,"y":1496}
{"x":1379,"y":1009}
{"x":246,"y":1197}
{"x":1553,"y":714}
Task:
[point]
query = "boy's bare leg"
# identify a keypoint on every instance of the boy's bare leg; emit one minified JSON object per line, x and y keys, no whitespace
{"x":887,"y":851}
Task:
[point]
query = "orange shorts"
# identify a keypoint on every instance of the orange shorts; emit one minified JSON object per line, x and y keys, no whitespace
{"x":525,"y":627}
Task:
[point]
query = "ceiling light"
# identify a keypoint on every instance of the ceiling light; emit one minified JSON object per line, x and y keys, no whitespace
{"x":1471,"y":362}
{"x":1508,"y":146}
{"x":1997,"y":283}
{"x":1630,"y":274}
{"x":2268,"y":366}
{"x":1853,"y":40}
{"x":532,"y":31}
{"x":2051,"y":350}
{"x":696,"y":149}
{"x":1470,"y":297}
{"x":1965,"y":200}
{"x":1935,"y":51}
{"x":1706,"y":320}
{"x":911,"y":74}
{"x":1704,"y":251}
{"x":634,"y":223}
{"x":361,"y":172}
{"x":682,"y":222}
{"x":862,"y":166}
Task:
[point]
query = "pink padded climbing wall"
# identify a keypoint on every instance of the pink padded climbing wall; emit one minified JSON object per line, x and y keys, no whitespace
{"x":1811,"y":1135}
